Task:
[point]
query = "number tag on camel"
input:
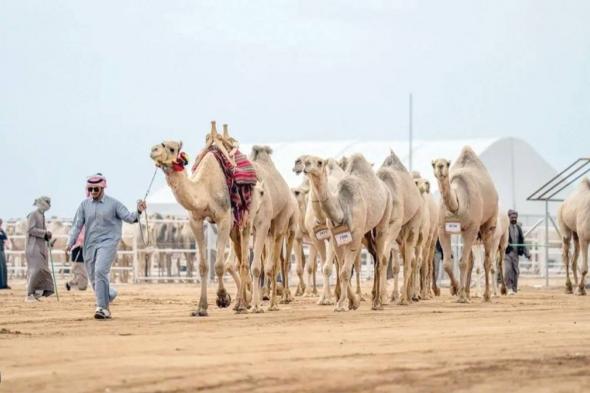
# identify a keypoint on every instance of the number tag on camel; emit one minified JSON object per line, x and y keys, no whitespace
{"x":321,"y":232}
{"x":342,"y":235}
{"x":453,"y":227}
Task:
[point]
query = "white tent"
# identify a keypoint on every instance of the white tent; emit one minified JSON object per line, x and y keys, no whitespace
{"x":515,"y":166}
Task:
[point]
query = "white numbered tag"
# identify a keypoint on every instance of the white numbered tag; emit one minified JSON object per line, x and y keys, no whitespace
{"x":342,"y":235}
{"x":321,"y":232}
{"x":453,"y":227}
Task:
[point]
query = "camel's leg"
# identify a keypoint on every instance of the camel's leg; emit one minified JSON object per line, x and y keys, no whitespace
{"x":425,"y":271}
{"x":242,"y":251}
{"x":270,"y":270}
{"x":574,"y":263}
{"x":230,"y":266}
{"x":311,"y":261}
{"x":395,"y":261}
{"x":383,"y":249}
{"x":409,"y":262}
{"x":327,"y":266}
{"x":416,"y":269}
{"x":260,"y":236}
{"x":314,"y":270}
{"x":565,"y":257}
{"x":348,"y":255}
{"x":584,"y":249}
{"x":197,"y":228}
{"x":287,"y":297}
{"x":300,"y":265}
{"x":445,"y":243}
{"x":470,"y":265}
{"x":465,"y":264}
{"x":489,"y":250}
{"x":357,"y":274}
{"x":223,"y":231}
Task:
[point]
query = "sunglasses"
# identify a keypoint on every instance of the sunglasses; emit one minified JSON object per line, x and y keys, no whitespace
{"x":93,"y":189}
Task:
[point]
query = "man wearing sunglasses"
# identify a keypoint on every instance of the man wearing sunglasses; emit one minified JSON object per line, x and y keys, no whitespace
{"x":102,"y":217}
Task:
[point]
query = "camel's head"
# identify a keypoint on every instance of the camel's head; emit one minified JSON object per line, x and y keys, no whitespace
{"x":314,"y":166}
{"x":301,"y":194}
{"x":422,"y":184}
{"x":299,"y":164}
{"x":166,"y":153}
{"x":258,"y":196}
{"x":441,"y":168}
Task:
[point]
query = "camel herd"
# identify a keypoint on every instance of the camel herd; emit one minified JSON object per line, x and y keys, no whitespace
{"x":341,"y":207}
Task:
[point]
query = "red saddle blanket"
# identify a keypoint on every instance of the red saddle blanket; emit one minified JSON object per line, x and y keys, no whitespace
{"x":240,"y":179}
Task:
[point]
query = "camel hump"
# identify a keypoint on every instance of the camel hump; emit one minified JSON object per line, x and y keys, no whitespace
{"x":260,"y":151}
{"x":359,"y":165}
{"x":468,"y":158}
{"x":393,"y":161}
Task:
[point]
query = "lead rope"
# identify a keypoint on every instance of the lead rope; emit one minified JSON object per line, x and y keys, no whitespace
{"x":147,"y":244}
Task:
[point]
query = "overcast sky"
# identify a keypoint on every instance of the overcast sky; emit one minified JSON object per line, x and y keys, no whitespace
{"x":90,"y":86}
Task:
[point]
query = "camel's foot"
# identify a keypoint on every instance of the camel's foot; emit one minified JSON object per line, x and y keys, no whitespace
{"x":265,"y":297}
{"x":300,"y":290}
{"x":339,"y":308}
{"x":354,"y":303}
{"x":454,"y":290}
{"x":394,"y":296}
{"x":404,"y":301}
{"x":503,"y":290}
{"x":315,"y":292}
{"x":416,"y":298}
{"x":325,"y":301}
{"x":223,"y":299}
{"x":201,"y":312}
{"x":462,"y":299}
{"x":436,"y":291}
{"x":581,"y":291}
{"x":384,"y":299}
{"x":568,"y":288}
{"x":362,"y":297}
{"x":486,"y":298}
{"x":257,"y":309}
{"x":273,"y":307}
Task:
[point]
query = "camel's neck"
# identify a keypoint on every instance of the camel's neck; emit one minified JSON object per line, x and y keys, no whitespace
{"x":323,"y":201}
{"x":448,"y":195}
{"x":183,"y":189}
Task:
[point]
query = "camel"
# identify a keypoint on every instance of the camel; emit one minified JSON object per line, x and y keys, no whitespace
{"x":574,"y":222}
{"x":429,"y":234}
{"x":186,"y":241}
{"x":275,"y":221}
{"x":205,"y":195}
{"x":302,"y":236}
{"x":315,"y":219}
{"x":405,"y":221}
{"x":360,"y":208}
{"x":469,"y":199}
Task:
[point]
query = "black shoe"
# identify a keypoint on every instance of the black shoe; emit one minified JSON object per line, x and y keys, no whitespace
{"x":68,"y":287}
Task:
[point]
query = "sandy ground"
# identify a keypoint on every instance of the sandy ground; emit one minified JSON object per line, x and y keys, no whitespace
{"x":536,"y":341}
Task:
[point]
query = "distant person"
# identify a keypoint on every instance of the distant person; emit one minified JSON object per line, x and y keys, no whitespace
{"x":3,"y":267}
{"x":79,"y":276}
{"x":39,"y":282}
{"x":516,"y":248}
{"x":102,"y":218}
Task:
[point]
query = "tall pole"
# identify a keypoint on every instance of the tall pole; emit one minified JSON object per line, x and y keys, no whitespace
{"x":411,"y":133}
{"x":546,"y":244}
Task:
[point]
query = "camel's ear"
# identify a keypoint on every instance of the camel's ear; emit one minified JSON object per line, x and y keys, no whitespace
{"x":433,"y":163}
{"x":179,"y":146}
{"x":448,"y":163}
{"x":225,"y":131}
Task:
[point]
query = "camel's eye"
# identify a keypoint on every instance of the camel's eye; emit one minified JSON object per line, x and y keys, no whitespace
{"x":320,"y":163}
{"x":297,"y":193}
{"x":171,"y":150}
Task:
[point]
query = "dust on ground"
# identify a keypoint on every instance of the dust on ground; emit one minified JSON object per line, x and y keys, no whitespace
{"x":537,"y":341}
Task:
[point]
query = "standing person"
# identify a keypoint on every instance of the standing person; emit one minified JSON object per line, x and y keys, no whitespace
{"x":516,"y":248}
{"x":3,"y":267}
{"x":102,"y":217}
{"x":80,"y":278}
{"x":39,"y":282}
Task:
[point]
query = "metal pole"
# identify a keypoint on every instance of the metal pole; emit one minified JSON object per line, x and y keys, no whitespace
{"x":547,"y":244}
{"x":411,"y":133}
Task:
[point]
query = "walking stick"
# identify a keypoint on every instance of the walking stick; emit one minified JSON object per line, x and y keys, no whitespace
{"x":52,"y":270}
